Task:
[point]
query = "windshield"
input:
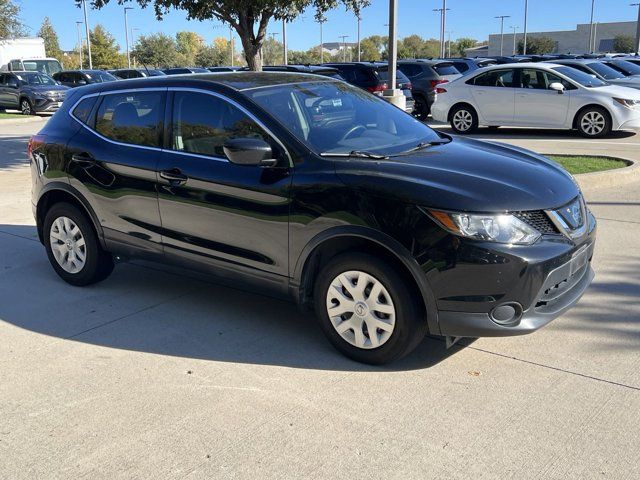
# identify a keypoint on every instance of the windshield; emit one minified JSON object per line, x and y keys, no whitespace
{"x":43,"y":66}
{"x":100,"y":77}
{"x":605,"y":71}
{"x":337,"y":118}
{"x":582,"y":78}
{"x":36,"y":78}
{"x":625,"y":67}
{"x":383,"y":74}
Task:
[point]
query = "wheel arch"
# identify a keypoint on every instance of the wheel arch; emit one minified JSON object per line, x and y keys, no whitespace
{"x":61,"y":192}
{"x":339,"y":240}
{"x":574,"y":124}
{"x":460,"y":104}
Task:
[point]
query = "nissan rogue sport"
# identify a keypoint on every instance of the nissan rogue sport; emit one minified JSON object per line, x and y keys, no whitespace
{"x":310,"y":188}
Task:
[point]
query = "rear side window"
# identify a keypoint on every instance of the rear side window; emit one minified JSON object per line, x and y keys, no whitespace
{"x":446,"y":69}
{"x":409,"y":69}
{"x":203,"y":123}
{"x":461,"y":66}
{"x":494,"y":78}
{"x":83,"y":109}
{"x":134,"y":118}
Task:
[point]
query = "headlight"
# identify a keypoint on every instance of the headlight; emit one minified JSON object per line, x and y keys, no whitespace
{"x":627,"y":103}
{"x":502,"y":228}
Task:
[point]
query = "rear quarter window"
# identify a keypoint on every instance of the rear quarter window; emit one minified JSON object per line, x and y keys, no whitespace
{"x":446,"y":70}
{"x":82,"y":111}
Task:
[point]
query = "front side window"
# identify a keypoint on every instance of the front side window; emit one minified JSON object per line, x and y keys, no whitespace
{"x":203,"y":123}
{"x":33,"y":78}
{"x":582,"y":78}
{"x":338,"y":118}
{"x":134,"y":118}
{"x":495,"y":78}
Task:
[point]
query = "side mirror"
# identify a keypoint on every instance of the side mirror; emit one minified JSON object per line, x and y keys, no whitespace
{"x":557,"y":86}
{"x":249,"y":151}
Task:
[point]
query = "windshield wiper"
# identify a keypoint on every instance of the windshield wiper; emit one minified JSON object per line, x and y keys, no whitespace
{"x":423,"y":145}
{"x":356,"y":153}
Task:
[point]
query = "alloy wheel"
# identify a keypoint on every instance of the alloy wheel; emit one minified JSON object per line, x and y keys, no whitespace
{"x":361,"y":309}
{"x":68,"y":245}
{"x":462,"y":120}
{"x":593,"y":123}
{"x":25,"y":107}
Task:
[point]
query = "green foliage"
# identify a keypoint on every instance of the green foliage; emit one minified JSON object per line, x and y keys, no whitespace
{"x":538,"y":45}
{"x":216,"y":54}
{"x":105,"y":52}
{"x":10,"y":24}
{"x":624,"y":44}
{"x":371,"y":48}
{"x":50,"y":37}
{"x":157,"y":50}
{"x":272,"y":52}
{"x":460,"y":45}
{"x":188,"y":45}
{"x":310,"y":56}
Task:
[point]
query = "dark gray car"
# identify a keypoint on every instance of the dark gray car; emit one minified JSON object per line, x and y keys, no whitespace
{"x":601,"y":71}
{"x":425,"y":76}
{"x":30,"y":92}
{"x":78,"y":78}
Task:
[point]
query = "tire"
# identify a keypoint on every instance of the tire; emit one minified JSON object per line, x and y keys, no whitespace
{"x":26,"y":108}
{"x":421,"y":108}
{"x":404,"y":325}
{"x":60,"y":235}
{"x":594,"y":122}
{"x":463,"y":119}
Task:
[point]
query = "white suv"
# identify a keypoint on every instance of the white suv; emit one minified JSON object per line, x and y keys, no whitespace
{"x":537,"y":95}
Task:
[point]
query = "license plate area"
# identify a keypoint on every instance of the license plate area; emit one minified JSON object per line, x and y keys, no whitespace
{"x":579,"y":260}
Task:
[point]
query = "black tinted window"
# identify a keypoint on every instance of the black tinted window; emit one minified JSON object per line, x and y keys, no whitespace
{"x":446,"y":69}
{"x":461,"y":66}
{"x":202,"y":123}
{"x":83,"y":109}
{"x":494,"y":78}
{"x":132,"y":117}
{"x":410,"y":70}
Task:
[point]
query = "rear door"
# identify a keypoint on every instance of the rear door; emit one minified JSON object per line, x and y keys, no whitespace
{"x":113,"y":162}
{"x":214,"y":211}
{"x":494,"y":95}
{"x":536,"y":104}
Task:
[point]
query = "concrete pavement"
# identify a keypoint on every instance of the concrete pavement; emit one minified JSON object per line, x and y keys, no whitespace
{"x":153,"y":374}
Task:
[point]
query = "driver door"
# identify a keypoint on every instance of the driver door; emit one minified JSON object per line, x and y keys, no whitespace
{"x":214,"y":211}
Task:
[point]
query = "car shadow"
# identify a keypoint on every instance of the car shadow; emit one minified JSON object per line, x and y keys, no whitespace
{"x":14,"y":151}
{"x":150,"y":308}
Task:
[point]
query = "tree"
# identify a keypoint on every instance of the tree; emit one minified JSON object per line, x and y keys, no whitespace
{"x":272,"y":52}
{"x":157,"y":50}
{"x":249,"y":18}
{"x":105,"y":52}
{"x":463,"y":44}
{"x":214,"y":55}
{"x":370,"y":49}
{"x":50,"y":37}
{"x":188,"y":44}
{"x":10,"y":24}
{"x":538,"y":45}
{"x":624,"y":44}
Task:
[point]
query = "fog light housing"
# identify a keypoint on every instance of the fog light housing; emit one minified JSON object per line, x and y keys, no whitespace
{"x":507,"y":314}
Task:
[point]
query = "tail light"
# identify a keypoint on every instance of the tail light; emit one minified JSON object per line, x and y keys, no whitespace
{"x":378,"y":89}
{"x":440,"y":90}
{"x":33,"y":141}
{"x":435,"y":83}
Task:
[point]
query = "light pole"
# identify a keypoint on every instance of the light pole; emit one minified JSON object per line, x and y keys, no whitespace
{"x":359,"y":18}
{"x":79,"y":42}
{"x":321,"y":21}
{"x":524,"y":41}
{"x":284,"y":42}
{"x":637,"y":28}
{"x":443,"y":22}
{"x":273,"y":39}
{"x":133,"y":43}
{"x":126,"y":34}
{"x":591,"y":47}
{"x":86,"y":27}
{"x":449,"y":44}
{"x":502,"y":17}
{"x":344,"y":47}
{"x":231,"y":43}
{"x":393,"y":44}
{"x":514,"y":38}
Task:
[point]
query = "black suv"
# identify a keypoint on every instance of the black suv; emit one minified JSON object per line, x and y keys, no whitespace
{"x":30,"y":92}
{"x":127,"y":73}
{"x":78,"y":78}
{"x":374,"y":77}
{"x":315,"y":190}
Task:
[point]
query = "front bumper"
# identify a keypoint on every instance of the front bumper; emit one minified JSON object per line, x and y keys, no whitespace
{"x":46,"y":104}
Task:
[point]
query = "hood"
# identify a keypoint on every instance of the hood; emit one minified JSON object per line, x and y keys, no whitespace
{"x":632,"y":82}
{"x":46,"y":88}
{"x":465,"y":175}
{"x":623,"y":91}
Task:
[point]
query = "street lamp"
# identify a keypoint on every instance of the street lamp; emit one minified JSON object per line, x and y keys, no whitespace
{"x":637,"y":28}
{"x":344,"y":47}
{"x":443,"y":25}
{"x":284,"y":42}
{"x":591,"y":45}
{"x":231,"y":47}
{"x":126,"y":34}
{"x":524,"y":41}
{"x":502,"y":17}
{"x":79,"y":42}
{"x":514,"y":38}
{"x":321,"y":21}
{"x":86,"y":27}
{"x":359,"y":18}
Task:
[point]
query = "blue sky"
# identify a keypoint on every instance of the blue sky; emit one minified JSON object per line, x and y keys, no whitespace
{"x":468,"y":18}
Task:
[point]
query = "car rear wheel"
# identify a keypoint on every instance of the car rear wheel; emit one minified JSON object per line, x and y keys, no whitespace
{"x":594,"y":123}
{"x":367,"y":310}
{"x":421,"y":108}
{"x":26,"y":108}
{"x":73,"y":248}
{"x":464,"y":119}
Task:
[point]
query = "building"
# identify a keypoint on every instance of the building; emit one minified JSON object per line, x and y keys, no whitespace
{"x":334,"y":48}
{"x":569,"y":41}
{"x":477,"y":51}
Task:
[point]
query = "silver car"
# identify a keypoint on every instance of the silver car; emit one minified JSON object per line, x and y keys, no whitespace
{"x":601,"y":71}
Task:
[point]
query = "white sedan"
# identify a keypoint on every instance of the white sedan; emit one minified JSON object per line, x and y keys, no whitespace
{"x":542,"y":95}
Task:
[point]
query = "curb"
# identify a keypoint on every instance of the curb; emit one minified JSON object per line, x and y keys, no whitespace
{"x":610,"y":178}
{"x":18,"y":121}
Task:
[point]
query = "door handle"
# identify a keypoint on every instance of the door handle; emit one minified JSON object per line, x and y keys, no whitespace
{"x":83,"y":159}
{"x":174,"y":176}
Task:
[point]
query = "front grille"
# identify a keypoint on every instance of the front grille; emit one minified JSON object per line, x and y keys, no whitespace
{"x":539,"y":220}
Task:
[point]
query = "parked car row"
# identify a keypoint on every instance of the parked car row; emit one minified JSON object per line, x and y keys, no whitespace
{"x":30,"y":92}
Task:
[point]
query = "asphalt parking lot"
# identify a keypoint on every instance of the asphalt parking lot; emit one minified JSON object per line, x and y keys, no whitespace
{"x":157,"y":373}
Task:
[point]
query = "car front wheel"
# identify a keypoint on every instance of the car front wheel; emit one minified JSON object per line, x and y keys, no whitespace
{"x":73,"y":247}
{"x":464,"y":119}
{"x":26,"y":108}
{"x":367,"y":310}
{"x":594,"y":123}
